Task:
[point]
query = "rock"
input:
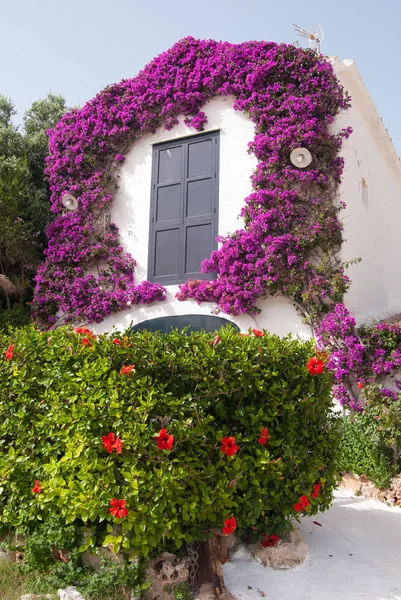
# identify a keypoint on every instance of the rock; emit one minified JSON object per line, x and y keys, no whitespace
{"x":7,"y":556}
{"x":352,"y":482}
{"x":394,"y":493}
{"x":288,"y":553}
{"x":164,"y":573}
{"x":369,"y":490}
{"x":69,"y":593}
{"x":361,"y":486}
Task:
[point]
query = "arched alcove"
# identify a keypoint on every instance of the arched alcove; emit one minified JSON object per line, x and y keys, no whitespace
{"x":193,"y":322}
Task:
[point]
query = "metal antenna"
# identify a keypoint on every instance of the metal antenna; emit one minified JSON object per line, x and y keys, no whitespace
{"x":315,"y":38}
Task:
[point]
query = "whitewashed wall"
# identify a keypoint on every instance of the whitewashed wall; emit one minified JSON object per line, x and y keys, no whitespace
{"x":371,"y":189}
{"x":131,"y":209}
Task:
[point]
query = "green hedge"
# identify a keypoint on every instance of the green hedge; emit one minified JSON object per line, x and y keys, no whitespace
{"x":366,"y":446}
{"x":58,"y":398}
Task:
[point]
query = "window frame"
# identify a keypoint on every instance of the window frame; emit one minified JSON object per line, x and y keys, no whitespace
{"x":185,"y":141}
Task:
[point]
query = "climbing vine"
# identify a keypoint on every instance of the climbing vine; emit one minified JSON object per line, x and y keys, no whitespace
{"x":291,"y":230}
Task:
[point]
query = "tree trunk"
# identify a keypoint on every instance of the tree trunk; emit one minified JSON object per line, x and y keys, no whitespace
{"x":212,"y":554}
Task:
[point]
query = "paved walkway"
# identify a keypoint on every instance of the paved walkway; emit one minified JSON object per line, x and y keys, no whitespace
{"x":355,"y":554}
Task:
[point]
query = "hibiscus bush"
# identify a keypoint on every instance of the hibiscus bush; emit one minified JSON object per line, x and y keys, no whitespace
{"x":147,"y":439}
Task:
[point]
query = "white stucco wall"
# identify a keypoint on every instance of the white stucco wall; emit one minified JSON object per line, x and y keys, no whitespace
{"x":371,"y":189}
{"x":131,"y":209}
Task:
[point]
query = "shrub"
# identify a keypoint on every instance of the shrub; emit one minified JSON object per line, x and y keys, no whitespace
{"x":363,"y":450}
{"x":41,"y":558}
{"x":61,"y":392}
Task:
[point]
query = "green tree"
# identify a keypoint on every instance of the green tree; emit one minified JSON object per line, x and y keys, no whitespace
{"x":24,"y":200}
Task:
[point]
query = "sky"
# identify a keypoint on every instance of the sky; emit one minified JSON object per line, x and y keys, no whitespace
{"x":76,"y":48}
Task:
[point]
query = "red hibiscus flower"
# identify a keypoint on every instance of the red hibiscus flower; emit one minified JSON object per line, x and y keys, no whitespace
{"x":269,"y":540}
{"x":230,"y":525}
{"x":228,"y":446}
{"x":360,"y":385}
{"x":316,"y":490}
{"x":118,"y":509}
{"x":37,"y":488}
{"x":127,"y":369}
{"x":315,"y":365}
{"x":9,"y":352}
{"x":258,"y":332}
{"x":110,"y":443}
{"x":264,"y":436}
{"x":302,"y":504}
{"x":117,"y":342}
{"x":164,"y":440}
{"x":216,"y":340}
{"x":118,"y":445}
{"x":85,"y":331}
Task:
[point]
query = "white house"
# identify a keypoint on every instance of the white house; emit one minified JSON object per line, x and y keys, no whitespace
{"x":371,"y":189}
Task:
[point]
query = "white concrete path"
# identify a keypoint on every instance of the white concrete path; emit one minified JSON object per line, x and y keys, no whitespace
{"x":355,"y":554}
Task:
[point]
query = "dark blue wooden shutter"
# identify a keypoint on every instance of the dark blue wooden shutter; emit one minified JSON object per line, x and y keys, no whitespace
{"x":184,"y":208}
{"x":200,"y":204}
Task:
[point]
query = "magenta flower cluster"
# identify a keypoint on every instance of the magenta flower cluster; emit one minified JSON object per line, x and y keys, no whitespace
{"x":360,"y":357}
{"x":291,"y":225}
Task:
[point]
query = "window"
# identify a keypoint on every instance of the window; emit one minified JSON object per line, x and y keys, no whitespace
{"x":183,"y":219}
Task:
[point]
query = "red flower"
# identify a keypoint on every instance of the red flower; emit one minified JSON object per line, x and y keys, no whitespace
{"x":360,"y":385}
{"x":316,"y":490}
{"x":302,"y":504}
{"x":164,"y":440}
{"x":216,"y":340}
{"x":264,"y":436}
{"x":85,"y":331}
{"x":230,"y":525}
{"x":118,"y":445}
{"x":118,"y":509}
{"x":117,"y":342}
{"x":228,"y":446}
{"x":86,"y":342}
{"x":270,"y":540}
{"x":109,"y":443}
{"x":315,"y":365}
{"x":127,"y":369}
{"x":9,"y":352}
{"x":258,"y":332}
{"x":37,"y":489}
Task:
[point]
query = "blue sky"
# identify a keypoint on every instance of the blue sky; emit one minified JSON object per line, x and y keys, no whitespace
{"x":77,"y":47}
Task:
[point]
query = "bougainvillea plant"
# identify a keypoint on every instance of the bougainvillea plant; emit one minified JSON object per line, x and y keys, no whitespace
{"x":363,"y":360}
{"x":291,"y":230}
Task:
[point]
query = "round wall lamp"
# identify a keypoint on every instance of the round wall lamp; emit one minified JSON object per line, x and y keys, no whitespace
{"x":69,"y":201}
{"x":301,"y":158}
